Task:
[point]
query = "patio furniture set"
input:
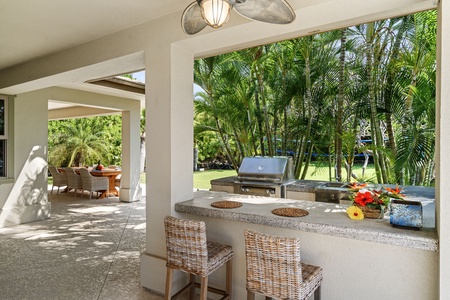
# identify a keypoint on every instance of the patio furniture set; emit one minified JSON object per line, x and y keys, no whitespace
{"x":102,"y":182}
{"x":273,"y":265}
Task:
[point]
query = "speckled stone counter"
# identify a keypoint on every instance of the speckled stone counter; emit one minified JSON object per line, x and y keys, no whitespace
{"x":323,"y":218}
{"x":225,"y":181}
{"x":306,"y":186}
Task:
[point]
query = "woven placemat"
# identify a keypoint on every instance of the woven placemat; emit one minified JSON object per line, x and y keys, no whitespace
{"x":290,"y":212}
{"x":226,"y":204}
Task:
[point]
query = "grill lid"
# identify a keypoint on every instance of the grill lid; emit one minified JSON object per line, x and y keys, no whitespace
{"x":268,"y":169}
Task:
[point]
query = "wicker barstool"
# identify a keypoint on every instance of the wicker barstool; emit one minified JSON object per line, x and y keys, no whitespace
{"x":189,"y":251}
{"x":275,"y":271}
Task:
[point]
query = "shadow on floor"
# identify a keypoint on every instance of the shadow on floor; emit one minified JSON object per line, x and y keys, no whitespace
{"x":88,"y":249}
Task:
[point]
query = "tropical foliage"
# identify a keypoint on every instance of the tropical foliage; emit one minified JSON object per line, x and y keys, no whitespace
{"x":84,"y":141}
{"x":365,"y":92}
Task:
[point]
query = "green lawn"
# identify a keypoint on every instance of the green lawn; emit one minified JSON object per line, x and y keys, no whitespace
{"x":202,"y":179}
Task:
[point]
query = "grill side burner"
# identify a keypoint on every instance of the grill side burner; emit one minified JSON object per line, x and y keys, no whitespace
{"x":264,"y":176}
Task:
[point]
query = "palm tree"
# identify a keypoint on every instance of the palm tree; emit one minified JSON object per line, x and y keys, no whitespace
{"x":205,"y":75}
{"x":316,"y":93}
{"x":79,"y":143}
{"x":340,"y":105}
{"x":417,"y":111}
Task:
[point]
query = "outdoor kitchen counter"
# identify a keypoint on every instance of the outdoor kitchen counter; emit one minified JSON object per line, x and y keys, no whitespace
{"x":324,"y":218}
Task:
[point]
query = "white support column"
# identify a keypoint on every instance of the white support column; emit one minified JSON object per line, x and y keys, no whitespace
{"x":443,"y":146}
{"x":169,"y":139}
{"x":130,"y":189}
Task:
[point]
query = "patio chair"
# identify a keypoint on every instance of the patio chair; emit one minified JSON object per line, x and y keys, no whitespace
{"x":275,"y":271}
{"x":73,"y":181}
{"x":189,"y":251}
{"x":59,"y":179}
{"x":93,"y":184}
{"x":117,"y":180}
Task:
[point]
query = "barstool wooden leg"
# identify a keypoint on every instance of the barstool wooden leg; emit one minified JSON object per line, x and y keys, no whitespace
{"x":192,"y":288}
{"x":204,"y":288}
{"x":168,"y":284}
{"x":317,"y":293}
{"x":250,"y":295}
{"x":229,"y":281}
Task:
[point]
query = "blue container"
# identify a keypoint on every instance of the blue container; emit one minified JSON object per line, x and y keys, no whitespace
{"x":406,"y":214}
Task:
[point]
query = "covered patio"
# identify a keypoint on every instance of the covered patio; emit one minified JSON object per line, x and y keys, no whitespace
{"x":155,"y":42}
{"x":86,"y":250}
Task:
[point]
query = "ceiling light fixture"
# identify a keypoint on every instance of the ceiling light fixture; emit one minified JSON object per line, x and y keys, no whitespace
{"x":215,"y":12}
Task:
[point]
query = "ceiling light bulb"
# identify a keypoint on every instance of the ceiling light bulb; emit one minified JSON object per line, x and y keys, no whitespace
{"x":215,"y":12}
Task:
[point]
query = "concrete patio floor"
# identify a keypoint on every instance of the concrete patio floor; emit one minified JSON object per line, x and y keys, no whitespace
{"x":88,"y":249}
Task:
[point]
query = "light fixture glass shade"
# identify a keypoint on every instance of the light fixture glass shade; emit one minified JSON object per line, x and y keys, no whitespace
{"x":215,"y":12}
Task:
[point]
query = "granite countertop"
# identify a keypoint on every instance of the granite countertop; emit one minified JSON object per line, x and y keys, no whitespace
{"x":323,"y":218}
{"x":305,"y":186}
{"x":224,"y":181}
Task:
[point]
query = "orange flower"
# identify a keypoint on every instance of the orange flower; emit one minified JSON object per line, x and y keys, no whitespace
{"x":396,"y":192}
{"x":357,"y":186}
{"x":362,"y":198}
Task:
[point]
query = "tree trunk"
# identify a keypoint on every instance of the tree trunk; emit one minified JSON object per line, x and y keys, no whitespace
{"x":225,"y":144}
{"x":259,"y":123}
{"x":255,"y":148}
{"x":380,"y":168}
{"x":308,"y":160}
{"x":307,"y":134}
{"x":266,"y":116}
{"x":340,"y":108}
{"x":389,"y":91}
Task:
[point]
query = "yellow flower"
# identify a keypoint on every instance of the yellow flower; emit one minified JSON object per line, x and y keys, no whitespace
{"x":355,"y":213}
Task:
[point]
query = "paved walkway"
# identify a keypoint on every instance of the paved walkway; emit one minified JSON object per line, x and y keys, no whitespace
{"x":88,"y":249}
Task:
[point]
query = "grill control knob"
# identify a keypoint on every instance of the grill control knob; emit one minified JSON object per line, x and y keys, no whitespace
{"x":269,"y":191}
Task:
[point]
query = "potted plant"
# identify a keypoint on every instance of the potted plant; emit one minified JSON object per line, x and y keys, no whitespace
{"x":370,"y":203}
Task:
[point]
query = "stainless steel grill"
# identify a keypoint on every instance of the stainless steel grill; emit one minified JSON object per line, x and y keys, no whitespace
{"x":265,"y":176}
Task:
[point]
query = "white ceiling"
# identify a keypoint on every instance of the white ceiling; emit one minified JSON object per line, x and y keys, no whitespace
{"x":35,"y":28}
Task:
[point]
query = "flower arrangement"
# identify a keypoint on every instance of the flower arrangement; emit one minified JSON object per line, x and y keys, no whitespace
{"x":99,"y":166}
{"x":370,"y":202}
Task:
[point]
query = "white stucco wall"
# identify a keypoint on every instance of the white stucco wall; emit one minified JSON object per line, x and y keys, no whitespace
{"x":23,"y":197}
{"x":352,"y":269}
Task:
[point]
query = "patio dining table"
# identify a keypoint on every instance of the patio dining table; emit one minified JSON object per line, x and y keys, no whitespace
{"x":111,"y":174}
